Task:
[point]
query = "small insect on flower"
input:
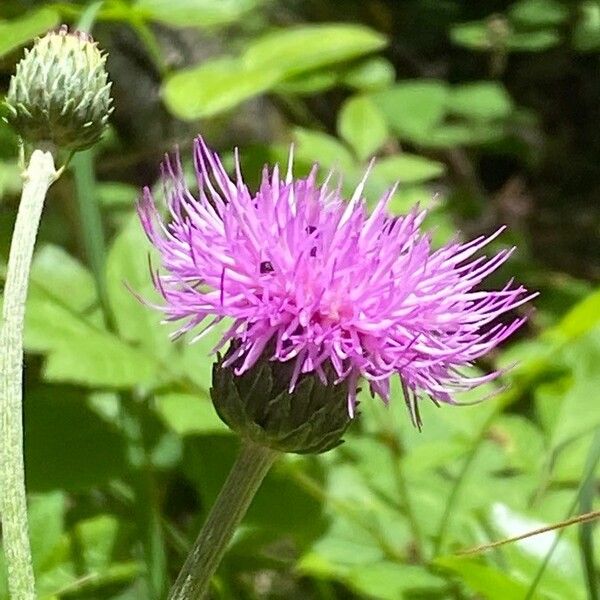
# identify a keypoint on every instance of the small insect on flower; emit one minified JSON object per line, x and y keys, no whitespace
{"x":311,"y":280}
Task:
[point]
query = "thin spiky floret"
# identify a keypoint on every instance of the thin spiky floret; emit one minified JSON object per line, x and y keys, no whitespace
{"x":296,"y":268}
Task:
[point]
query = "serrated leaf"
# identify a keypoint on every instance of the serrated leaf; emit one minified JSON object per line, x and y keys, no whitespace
{"x":79,"y":351}
{"x":362,"y":125}
{"x":17,"y":32}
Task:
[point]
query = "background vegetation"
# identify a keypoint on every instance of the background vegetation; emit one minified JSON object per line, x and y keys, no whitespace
{"x":486,"y":112}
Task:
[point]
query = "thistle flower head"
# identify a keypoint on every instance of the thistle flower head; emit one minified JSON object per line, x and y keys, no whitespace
{"x":307,"y":278}
{"x":60,"y":93}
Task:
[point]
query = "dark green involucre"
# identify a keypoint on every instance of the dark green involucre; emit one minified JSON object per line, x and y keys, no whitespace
{"x":258,"y":406}
{"x":60,"y":93}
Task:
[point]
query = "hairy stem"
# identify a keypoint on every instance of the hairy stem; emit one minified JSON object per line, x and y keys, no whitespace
{"x":250,"y":468}
{"x":37,"y":178}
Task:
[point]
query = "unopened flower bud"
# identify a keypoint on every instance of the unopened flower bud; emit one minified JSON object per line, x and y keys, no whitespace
{"x":259,"y":406}
{"x":60,"y":93}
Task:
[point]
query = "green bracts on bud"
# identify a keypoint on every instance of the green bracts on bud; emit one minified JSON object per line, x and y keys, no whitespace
{"x":258,"y":406}
{"x":60,"y":93}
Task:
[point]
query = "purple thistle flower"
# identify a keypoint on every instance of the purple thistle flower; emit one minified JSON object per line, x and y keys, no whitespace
{"x":318,"y":280}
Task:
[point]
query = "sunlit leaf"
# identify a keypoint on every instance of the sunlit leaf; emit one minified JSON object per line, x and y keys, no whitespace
{"x":186,"y":414}
{"x":215,"y":86}
{"x":407,"y":168}
{"x":361,"y":124}
{"x":372,"y":74}
{"x":492,"y":583}
{"x":413,"y":108}
{"x":586,"y":33}
{"x":295,"y":50}
{"x":538,"y":13}
{"x":480,"y":100}
{"x":17,"y":32}
{"x":194,"y":13}
{"x":316,"y":147}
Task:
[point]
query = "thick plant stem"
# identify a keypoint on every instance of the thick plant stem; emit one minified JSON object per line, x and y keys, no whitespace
{"x":37,"y":178}
{"x":231,"y":505}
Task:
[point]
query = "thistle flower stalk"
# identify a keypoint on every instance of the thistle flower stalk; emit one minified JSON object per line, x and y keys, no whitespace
{"x":250,"y":468}
{"x":38,"y":177}
{"x":58,"y":101}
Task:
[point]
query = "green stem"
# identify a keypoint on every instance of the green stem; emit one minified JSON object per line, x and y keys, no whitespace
{"x":91,"y":225}
{"x":246,"y":475}
{"x":38,"y":177}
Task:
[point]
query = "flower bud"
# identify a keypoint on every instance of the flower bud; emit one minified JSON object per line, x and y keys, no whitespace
{"x":60,"y":93}
{"x":259,"y":406}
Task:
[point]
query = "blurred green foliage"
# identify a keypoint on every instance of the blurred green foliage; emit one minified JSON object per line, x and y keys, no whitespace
{"x":486,"y":113}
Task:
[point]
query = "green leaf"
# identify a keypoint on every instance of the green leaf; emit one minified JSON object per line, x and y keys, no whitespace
{"x":370,"y":75}
{"x":389,"y":581}
{"x":483,"y":579}
{"x":474,"y":35}
{"x":342,"y":547}
{"x":221,"y":84}
{"x":127,"y":272}
{"x":295,"y":50}
{"x":316,"y":147}
{"x":186,"y":414}
{"x":78,"y":349}
{"x":308,"y":83}
{"x":194,"y":13}
{"x":116,"y":194}
{"x":17,"y":32}
{"x":534,"y":41}
{"x":215,"y":86}
{"x":538,"y":13}
{"x":413,"y":108}
{"x":361,"y":124}
{"x":10,"y":178}
{"x":574,"y":416}
{"x":465,"y":134}
{"x":586,"y":33}
{"x":407,"y":168}
{"x":46,"y":524}
{"x":56,"y":272}
{"x":483,"y":100}
{"x":583,"y":317}
{"x":483,"y":36}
